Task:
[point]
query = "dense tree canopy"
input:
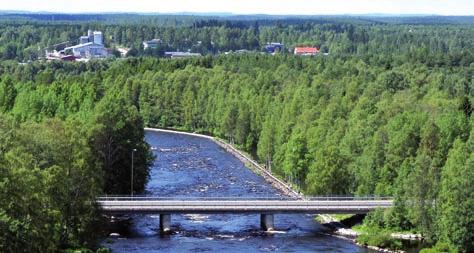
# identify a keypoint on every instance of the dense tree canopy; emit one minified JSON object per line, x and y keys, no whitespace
{"x":446,"y":42}
{"x":388,"y":112}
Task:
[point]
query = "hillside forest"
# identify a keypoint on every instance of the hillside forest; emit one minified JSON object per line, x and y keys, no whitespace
{"x":388,"y":113}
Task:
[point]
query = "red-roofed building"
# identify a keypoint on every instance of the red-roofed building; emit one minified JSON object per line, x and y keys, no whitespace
{"x":306,"y":50}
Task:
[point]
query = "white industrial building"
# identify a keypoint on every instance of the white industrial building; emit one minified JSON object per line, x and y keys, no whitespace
{"x":98,"y":39}
{"x":84,"y":39}
{"x":153,"y":44}
{"x":88,"y":50}
{"x":90,"y":46}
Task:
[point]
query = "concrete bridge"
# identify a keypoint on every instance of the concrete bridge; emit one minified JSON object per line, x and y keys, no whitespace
{"x":266,"y":207}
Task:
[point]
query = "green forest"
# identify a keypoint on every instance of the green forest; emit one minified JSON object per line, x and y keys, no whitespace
{"x":388,"y":113}
{"x":26,"y":39}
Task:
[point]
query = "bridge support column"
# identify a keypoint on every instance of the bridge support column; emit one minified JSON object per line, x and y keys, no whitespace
{"x":266,"y":222}
{"x":165,"y":223}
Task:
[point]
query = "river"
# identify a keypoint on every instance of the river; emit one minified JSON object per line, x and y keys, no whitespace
{"x":188,"y":166}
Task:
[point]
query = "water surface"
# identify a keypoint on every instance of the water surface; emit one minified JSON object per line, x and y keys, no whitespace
{"x":188,"y":166}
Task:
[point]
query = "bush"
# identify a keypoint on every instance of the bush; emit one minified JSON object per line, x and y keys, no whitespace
{"x":440,"y":248}
{"x":379,"y":238}
{"x":103,"y":250}
{"x":375,"y":218}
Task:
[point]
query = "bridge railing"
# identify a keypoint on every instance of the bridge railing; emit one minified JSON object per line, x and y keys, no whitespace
{"x":184,"y":198}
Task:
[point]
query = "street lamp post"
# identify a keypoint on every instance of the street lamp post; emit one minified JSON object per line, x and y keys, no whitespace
{"x":131,"y":182}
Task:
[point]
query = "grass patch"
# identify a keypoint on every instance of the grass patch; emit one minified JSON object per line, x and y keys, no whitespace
{"x":364,"y":228}
{"x":361,"y":228}
{"x":440,"y":248}
{"x":341,"y":217}
{"x":319,"y":219}
{"x":334,"y":217}
{"x":379,"y":238}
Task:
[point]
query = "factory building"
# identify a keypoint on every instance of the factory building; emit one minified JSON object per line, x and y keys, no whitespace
{"x":98,"y":39}
{"x":84,"y":39}
{"x":88,"y":50}
{"x":90,"y":46}
{"x":153,"y":44}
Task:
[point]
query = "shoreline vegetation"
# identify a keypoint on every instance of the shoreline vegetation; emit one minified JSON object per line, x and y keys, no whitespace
{"x":378,"y":239}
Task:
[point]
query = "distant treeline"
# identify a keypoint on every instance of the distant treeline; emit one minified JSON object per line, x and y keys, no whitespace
{"x":189,"y":18}
{"x":28,"y":39}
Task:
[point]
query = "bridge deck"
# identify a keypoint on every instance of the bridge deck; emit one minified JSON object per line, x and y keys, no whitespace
{"x":240,"y":206}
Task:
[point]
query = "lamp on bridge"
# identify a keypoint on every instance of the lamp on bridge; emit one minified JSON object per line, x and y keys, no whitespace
{"x":131,"y":181}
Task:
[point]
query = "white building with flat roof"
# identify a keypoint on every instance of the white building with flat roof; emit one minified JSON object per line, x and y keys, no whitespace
{"x":151,"y":44}
{"x":88,"y":50}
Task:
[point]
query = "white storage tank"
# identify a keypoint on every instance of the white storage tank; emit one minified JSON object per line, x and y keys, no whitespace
{"x":98,"y":39}
{"x":90,"y":34}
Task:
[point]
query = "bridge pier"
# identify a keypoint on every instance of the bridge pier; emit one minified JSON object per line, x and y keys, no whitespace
{"x":165,"y":223}
{"x":266,"y":222}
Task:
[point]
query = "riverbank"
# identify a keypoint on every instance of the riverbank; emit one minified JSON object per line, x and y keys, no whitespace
{"x":189,"y":167}
{"x":337,"y":228}
{"x":364,"y":236}
{"x":257,"y":168}
{"x":341,"y":231}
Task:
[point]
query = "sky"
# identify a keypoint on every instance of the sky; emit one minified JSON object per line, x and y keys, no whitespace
{"x":301,"y":7}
